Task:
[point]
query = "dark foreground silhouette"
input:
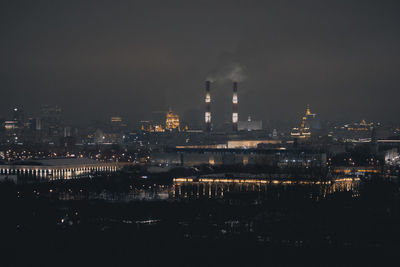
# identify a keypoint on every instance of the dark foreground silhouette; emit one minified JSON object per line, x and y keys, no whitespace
{"x":285,"y":227}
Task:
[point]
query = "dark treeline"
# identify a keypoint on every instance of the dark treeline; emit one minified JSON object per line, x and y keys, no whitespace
{"x":342,"y":229}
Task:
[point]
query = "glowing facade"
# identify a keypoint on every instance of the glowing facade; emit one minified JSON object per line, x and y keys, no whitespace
{"x":172,"y":121}
{"x":117,"y":122}
{"x":304,"y":130}
{"x":116,"y":119}
{"x":61,"y":168}
{"x":150,"y":126}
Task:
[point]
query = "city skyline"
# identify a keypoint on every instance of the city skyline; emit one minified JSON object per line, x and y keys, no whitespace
{"x":158,"y":117}
{"x":199,"y":133}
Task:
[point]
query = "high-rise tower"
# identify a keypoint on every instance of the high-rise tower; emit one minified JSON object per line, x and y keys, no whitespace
{"x":235,"y":114}
{"x":207,"y":116}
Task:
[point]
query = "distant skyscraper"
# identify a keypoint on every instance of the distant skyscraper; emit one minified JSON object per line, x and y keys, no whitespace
{"x":51,"y":119}
{"x":308,"y":122}
{"x":312,"y":121}
{"x":35,"y":124}
{"x":18,"y":116}
{"x":67,"y":131}
{"x":38,"y":124}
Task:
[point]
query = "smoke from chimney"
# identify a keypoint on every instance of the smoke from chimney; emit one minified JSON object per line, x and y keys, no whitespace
{"x":229,"y":72}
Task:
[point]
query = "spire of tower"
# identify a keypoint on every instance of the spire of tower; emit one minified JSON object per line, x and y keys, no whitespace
{"x":308,"y":112}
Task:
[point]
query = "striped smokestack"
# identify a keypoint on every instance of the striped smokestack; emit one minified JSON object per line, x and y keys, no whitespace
{"x":235,"y":114}
{"x":207,"y":116}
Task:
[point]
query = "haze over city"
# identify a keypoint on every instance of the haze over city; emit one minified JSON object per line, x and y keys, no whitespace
{"x":199,"y":133}
{"x":131,"y":58}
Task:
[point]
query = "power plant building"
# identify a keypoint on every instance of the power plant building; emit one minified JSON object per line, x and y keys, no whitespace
{"x":207,"y":113}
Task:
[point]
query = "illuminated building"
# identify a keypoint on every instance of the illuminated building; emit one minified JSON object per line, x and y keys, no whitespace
{"x":116,"y":119}
{"x":214,"y":186}
{"x":274,"y":134}
{"x":246,"y":144}
{"x":106,"y":137}
{"x":307,"y":122}
{"x":249,"y":125}
{"x":151,"y":127}
{"x":17,"y":121}
{"x":11,"y":125}
{"x":233,"y":144}
{"x":239,"y":152}
{"x":355,"y":132}
{"x":392,"y":156}
{"x":360,"y":170}
{"x":308,"y":112}
{"x":312,"y":121}
{"x":172,"y":121}
{"x":60,"y":168}
{"x":158,"y":128}
{"x":18,"y":116}
{"x":117,"y":123}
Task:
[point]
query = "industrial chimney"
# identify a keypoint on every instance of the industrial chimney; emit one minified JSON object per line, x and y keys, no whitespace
{"x":207,"y":116}
{"x":235,"y":115}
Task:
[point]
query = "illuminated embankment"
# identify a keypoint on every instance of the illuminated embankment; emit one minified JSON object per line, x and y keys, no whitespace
{"x":189,"y":187}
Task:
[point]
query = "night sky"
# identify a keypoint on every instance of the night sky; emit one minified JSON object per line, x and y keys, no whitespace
{"x":131,"y":58}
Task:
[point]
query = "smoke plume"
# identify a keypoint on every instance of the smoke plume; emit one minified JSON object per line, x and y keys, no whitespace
{"x":230,"y":72}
